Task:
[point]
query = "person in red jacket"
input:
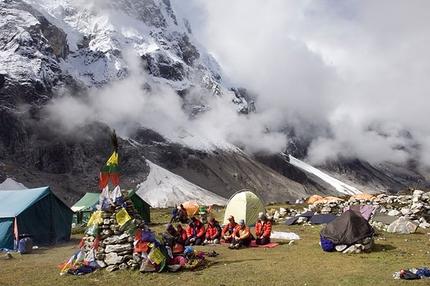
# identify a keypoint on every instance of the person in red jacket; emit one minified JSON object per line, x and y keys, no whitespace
{"x":182,"y":233}
{"x":228,"y":230}
{"x":213,"y":232}
{"x":242,"y":236}
{"x":195,"y":232}
{"x":263,"y":229}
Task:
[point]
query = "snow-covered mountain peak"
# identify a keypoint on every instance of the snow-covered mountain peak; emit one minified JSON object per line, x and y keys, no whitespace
{"x":98,"y":33}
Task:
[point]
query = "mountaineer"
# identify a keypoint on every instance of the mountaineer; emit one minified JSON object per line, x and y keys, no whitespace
{"x":195,"y":232}
{"x":228,"y":230}
{"x":263,"y":229}
{"x":241,"y":236}
{"x":213,"y":232}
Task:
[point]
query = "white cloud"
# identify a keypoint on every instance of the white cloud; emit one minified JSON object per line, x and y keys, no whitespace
{"x":313,"y":62}
{"x":355,"y":71}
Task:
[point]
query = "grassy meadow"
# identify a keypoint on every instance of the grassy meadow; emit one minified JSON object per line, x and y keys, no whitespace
{"x":299,"y":263}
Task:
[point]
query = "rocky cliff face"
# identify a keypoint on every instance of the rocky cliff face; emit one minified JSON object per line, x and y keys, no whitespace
{"x":48,"y":52}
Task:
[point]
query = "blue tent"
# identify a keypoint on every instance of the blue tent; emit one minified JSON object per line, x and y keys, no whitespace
{"x":37,"y":213}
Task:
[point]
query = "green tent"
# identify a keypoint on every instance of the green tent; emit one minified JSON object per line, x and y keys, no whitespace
{"x":85,"y":206}
{"x":245,"y":205}
{"x":34,"y":212}
{"x":141,"y":206}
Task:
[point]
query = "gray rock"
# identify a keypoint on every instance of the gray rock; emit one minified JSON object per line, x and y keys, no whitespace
{"x":355,"y":248}
{"x":119,"y":248}
{"x":341,"y":247}
{"x":113,"y":258}
{"x":115,"y":239}
{"x":402,"y":226}
{"x":111,"y":268}
{"x":101,"y":263}
{"x":394,"y":213}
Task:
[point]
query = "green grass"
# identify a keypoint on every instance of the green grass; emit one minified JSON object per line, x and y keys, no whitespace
{"x":300,"y":263}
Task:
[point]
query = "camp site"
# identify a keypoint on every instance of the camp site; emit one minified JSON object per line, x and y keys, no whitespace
{"x":297,"y":257}
{"x":114,"y":237}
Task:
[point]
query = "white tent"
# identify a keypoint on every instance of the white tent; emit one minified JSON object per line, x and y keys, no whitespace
{"x":246,"y":205}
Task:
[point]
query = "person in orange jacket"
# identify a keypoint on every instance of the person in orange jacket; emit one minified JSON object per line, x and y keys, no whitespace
{"x":182,"y":233}
{"x":228,"y":230}
{"x":213,"y":232}
{"x":263,"y":229}
{"x":242,"y":236}
{"x":195,"y":232}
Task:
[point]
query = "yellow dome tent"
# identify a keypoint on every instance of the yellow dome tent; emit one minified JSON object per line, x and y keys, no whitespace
{"x":244,"y":204}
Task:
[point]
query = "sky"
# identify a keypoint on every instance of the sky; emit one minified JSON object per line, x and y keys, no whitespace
{"x":355,"y":70}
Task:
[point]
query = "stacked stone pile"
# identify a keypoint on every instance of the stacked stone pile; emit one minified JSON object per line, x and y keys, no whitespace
{"x":413,"y":208}
{"x":115,"y":242}
{"x":281,"y":214}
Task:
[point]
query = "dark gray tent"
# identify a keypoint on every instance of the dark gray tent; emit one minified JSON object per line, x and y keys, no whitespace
{"x":347,"y":229}
{"x":322,"y":218}
{"x":313,"y":218}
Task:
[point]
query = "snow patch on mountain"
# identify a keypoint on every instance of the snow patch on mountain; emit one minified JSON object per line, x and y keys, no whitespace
{"x":338,"y":185}
{"x":11,"y":184}
{"x":164,"y":189}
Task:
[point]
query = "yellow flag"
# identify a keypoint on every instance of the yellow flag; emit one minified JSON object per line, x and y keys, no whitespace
{"x":156,"y":256}
{"x":96,"y":218}
{"x":122,"y":217}
{"x":113,"y":160}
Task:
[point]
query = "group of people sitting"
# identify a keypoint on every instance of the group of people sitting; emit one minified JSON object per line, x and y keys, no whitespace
{"x":238,"y":234}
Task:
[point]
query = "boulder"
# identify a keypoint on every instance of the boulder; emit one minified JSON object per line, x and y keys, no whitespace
{"x":402,"y":226}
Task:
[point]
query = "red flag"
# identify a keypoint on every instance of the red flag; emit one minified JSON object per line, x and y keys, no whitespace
{"x":109,"y":171}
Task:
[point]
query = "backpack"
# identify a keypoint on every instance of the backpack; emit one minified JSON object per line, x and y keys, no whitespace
{"x":326,"y":244}
{"x":408,"y":275}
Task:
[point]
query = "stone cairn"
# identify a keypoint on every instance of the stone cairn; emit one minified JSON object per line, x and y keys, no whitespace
{"x":115,"y":246}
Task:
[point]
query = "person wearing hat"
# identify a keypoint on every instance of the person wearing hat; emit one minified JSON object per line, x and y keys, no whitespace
{"x":173,"y":239}
{"x":241,"y":236}
{"x":213,"y":232}
{"x":228,"y":230}
{"x":195,"y":232}
{"x":173,"y":232}
{"x":263,"y":229}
